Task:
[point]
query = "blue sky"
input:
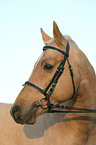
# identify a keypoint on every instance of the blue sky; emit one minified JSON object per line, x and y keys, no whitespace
{"x":21,"y":42}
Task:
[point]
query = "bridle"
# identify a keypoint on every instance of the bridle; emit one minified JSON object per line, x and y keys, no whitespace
{"x":51,"y":86}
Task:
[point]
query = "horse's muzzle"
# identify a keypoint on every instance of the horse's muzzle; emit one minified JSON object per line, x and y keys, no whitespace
{"x":16,"y":113}
{"x":27,"y":118}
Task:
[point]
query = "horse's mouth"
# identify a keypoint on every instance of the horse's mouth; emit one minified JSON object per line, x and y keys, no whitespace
{"x":30,"y":118}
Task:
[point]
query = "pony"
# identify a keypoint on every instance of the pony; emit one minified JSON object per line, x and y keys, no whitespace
{"x":38,"y":126}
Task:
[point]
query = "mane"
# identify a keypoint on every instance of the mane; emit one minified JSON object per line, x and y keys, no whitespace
{"x":68,"y":37}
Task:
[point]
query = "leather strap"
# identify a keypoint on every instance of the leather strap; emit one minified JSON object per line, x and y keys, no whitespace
{"x":34,"y":86}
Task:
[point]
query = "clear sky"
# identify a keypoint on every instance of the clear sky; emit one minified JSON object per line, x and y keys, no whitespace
{"x":20,"y":39}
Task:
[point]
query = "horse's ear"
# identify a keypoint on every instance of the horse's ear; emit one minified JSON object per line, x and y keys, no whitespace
{"x":58,"y":35}
{"x":45,"y":36}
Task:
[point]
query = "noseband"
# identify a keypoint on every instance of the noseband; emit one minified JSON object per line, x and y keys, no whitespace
{"x":51,"y":86}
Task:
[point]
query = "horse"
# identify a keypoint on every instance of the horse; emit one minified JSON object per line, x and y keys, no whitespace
{"x":62,"y":76}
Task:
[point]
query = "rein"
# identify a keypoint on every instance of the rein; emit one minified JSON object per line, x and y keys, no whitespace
{"x":51,"y":86}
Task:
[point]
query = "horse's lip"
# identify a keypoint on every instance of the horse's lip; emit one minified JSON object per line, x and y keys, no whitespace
{"x":31,"y":116}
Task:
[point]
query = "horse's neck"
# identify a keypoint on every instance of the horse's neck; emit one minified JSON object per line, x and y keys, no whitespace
{"x":87,"y":74}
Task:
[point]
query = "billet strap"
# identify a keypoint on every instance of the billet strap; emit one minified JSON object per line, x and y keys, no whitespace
{"x":60,"y":68}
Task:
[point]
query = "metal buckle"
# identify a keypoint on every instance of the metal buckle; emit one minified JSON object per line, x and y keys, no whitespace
{"x":40,"y":104}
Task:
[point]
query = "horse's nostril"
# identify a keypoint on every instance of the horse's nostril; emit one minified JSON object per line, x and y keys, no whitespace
{"x":15,"y":112}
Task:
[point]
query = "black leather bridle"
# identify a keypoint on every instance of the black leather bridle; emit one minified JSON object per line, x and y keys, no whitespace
{"x":51,"y":86}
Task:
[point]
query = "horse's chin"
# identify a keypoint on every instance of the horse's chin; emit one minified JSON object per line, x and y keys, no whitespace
{"x":31,"y":121}
{"x":31,"y":116}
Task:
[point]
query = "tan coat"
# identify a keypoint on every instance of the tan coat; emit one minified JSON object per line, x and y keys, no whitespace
{"x":53,"y":129}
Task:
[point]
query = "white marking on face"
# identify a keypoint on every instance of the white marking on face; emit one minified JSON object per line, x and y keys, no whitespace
{"x":38,"y":60}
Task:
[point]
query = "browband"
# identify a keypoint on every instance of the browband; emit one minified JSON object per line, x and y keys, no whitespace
{"x":57,"y":49}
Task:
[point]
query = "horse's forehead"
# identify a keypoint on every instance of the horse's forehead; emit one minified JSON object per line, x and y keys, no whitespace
{"x":48,"y":55}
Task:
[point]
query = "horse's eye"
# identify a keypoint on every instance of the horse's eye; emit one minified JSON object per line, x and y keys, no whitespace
{"x":48,"y":67}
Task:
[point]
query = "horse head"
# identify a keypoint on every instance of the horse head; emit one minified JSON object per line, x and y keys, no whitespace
{"x":26,"y":108}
